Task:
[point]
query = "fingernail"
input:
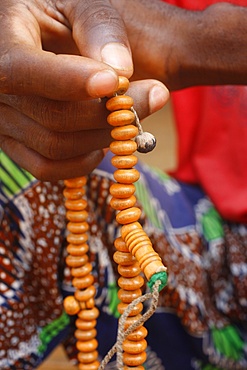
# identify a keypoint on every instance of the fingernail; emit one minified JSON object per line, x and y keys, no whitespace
{"x":158,"y":97}
{"x":102,"y":83}
{"x":118,"y":57}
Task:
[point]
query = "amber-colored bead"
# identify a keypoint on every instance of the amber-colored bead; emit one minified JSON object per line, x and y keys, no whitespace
{"x":73,"y":193}
{"x":133,"y":368}
{"x":77,"y":182}
{"x":77,"y":250}
{"x":138,"y":334}
{"x":127,"y":296}
{"x":126,"y":147}
{"x":82,"y":270}
{"x":134,"y":360}
{"x":136,"y":309}
{"x":83,"y":282}
{"x":77,"y":238}
{"x":71,"y":305}
{"x":87,"y":357}
{"x":128,"y":215}
{"x":87,"y":346}
{"x":76,"y":261}
{"x":76,"y":205}
{"x":92,"y":366}
{"x":126,"y":176}
{"x":129,"y":271}
{"x":85,"y":334}
{"x":132,"y":320}
{"x":120,"y":204}
{"x":123,"y":258}
{"x":134,"y":347}
{"x":122,"y":191}
{"x":77,"y":216}
{"x":123,"y":85}
{"x":120,"y":245}
{"x":121,"y":118}
{"x":124,"y":162}
{"x":78,"y":227}
{"x":89,"y":315}
{"x":131,"y":283}
{"x":124,"y":132}
{"x":85,"y":295}
{"x":119,"y":102}
{"x":85,"y":325}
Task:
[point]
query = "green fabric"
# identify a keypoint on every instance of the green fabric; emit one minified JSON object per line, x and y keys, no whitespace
{"x":162,"y":276}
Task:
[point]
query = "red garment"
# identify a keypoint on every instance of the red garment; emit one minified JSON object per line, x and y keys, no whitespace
{"x":212,"y":138}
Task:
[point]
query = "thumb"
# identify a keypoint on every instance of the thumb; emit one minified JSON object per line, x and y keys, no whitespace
{"x":99,"y":33}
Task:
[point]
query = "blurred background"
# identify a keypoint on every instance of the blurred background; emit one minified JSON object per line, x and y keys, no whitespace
{"x":161,"y":125}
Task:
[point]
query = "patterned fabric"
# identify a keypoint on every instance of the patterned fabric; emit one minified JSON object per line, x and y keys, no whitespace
{"x":200,"y":323}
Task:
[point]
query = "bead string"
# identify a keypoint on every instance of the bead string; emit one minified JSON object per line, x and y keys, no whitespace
{"x":134,"y":252}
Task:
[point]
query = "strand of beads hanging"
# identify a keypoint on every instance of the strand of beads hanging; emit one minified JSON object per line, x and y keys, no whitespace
{"x":82,"y":302}
{"x":135,"y":253}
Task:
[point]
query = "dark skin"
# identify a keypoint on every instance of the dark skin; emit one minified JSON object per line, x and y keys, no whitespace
{"x":185,"y":48}
{"x":54,"y":66}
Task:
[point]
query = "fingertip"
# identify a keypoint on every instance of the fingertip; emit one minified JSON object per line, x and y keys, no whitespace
{"x":158,"y":97}
{"x":102,"y":83}
{"x":118,"y":56}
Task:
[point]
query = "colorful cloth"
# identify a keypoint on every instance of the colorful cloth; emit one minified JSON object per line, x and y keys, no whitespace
{"x":211,"y":124}
{"x":201,"y":320}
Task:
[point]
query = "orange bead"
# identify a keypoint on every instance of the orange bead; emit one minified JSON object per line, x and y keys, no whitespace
{"x":134,"y":360}
{"x":124,"y":132}
{"x":76,"y":261}
{"x":127,"y":296}
{"x":92,"y":366}
{"x":128,"y":215}
{"x":73,"y":193}
{"x":85,"y":325}
{"x":121,"y":118}
{"x":136,"y":309}
{"x":76,"y":182}
{"x":120,"y":204}
{"x":134,"y":347}
{"x":123,"y":258}
{"x":85,"y":334}
{"x":78,"y":216}
{"x":123,"y":85}
{"x":71,"y":305}
{"x":126,"y":147}
{"x":124,"y":162}
{"x":87,"y":346}
{"x":85,"y":295}
{"x":126,"y":176}
{"x":119,"y":102}
{"x":130,"y":270}
{"x":76,"y":205}
{"x":83,"y":282}
{"x":131,"y":283}
{"x":120,"y":245}
{"x":138,"y":334}
{"x":133,"y":368}
{"x":87,"y":357}
{"x":89,"y":315}
{"x":77,"y":250}
{"x":78,"y":227}
{"x":122,"y":191}
{"x":132,"y":320}
{"x":82,"y":270}
{"x":77,"y":239}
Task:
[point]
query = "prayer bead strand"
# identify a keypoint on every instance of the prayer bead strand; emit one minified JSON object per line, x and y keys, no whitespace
{"x":82,"y":303}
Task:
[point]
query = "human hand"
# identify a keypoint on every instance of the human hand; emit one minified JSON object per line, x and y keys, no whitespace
{"x":184,"y":48}
{"x":51,"y":122}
